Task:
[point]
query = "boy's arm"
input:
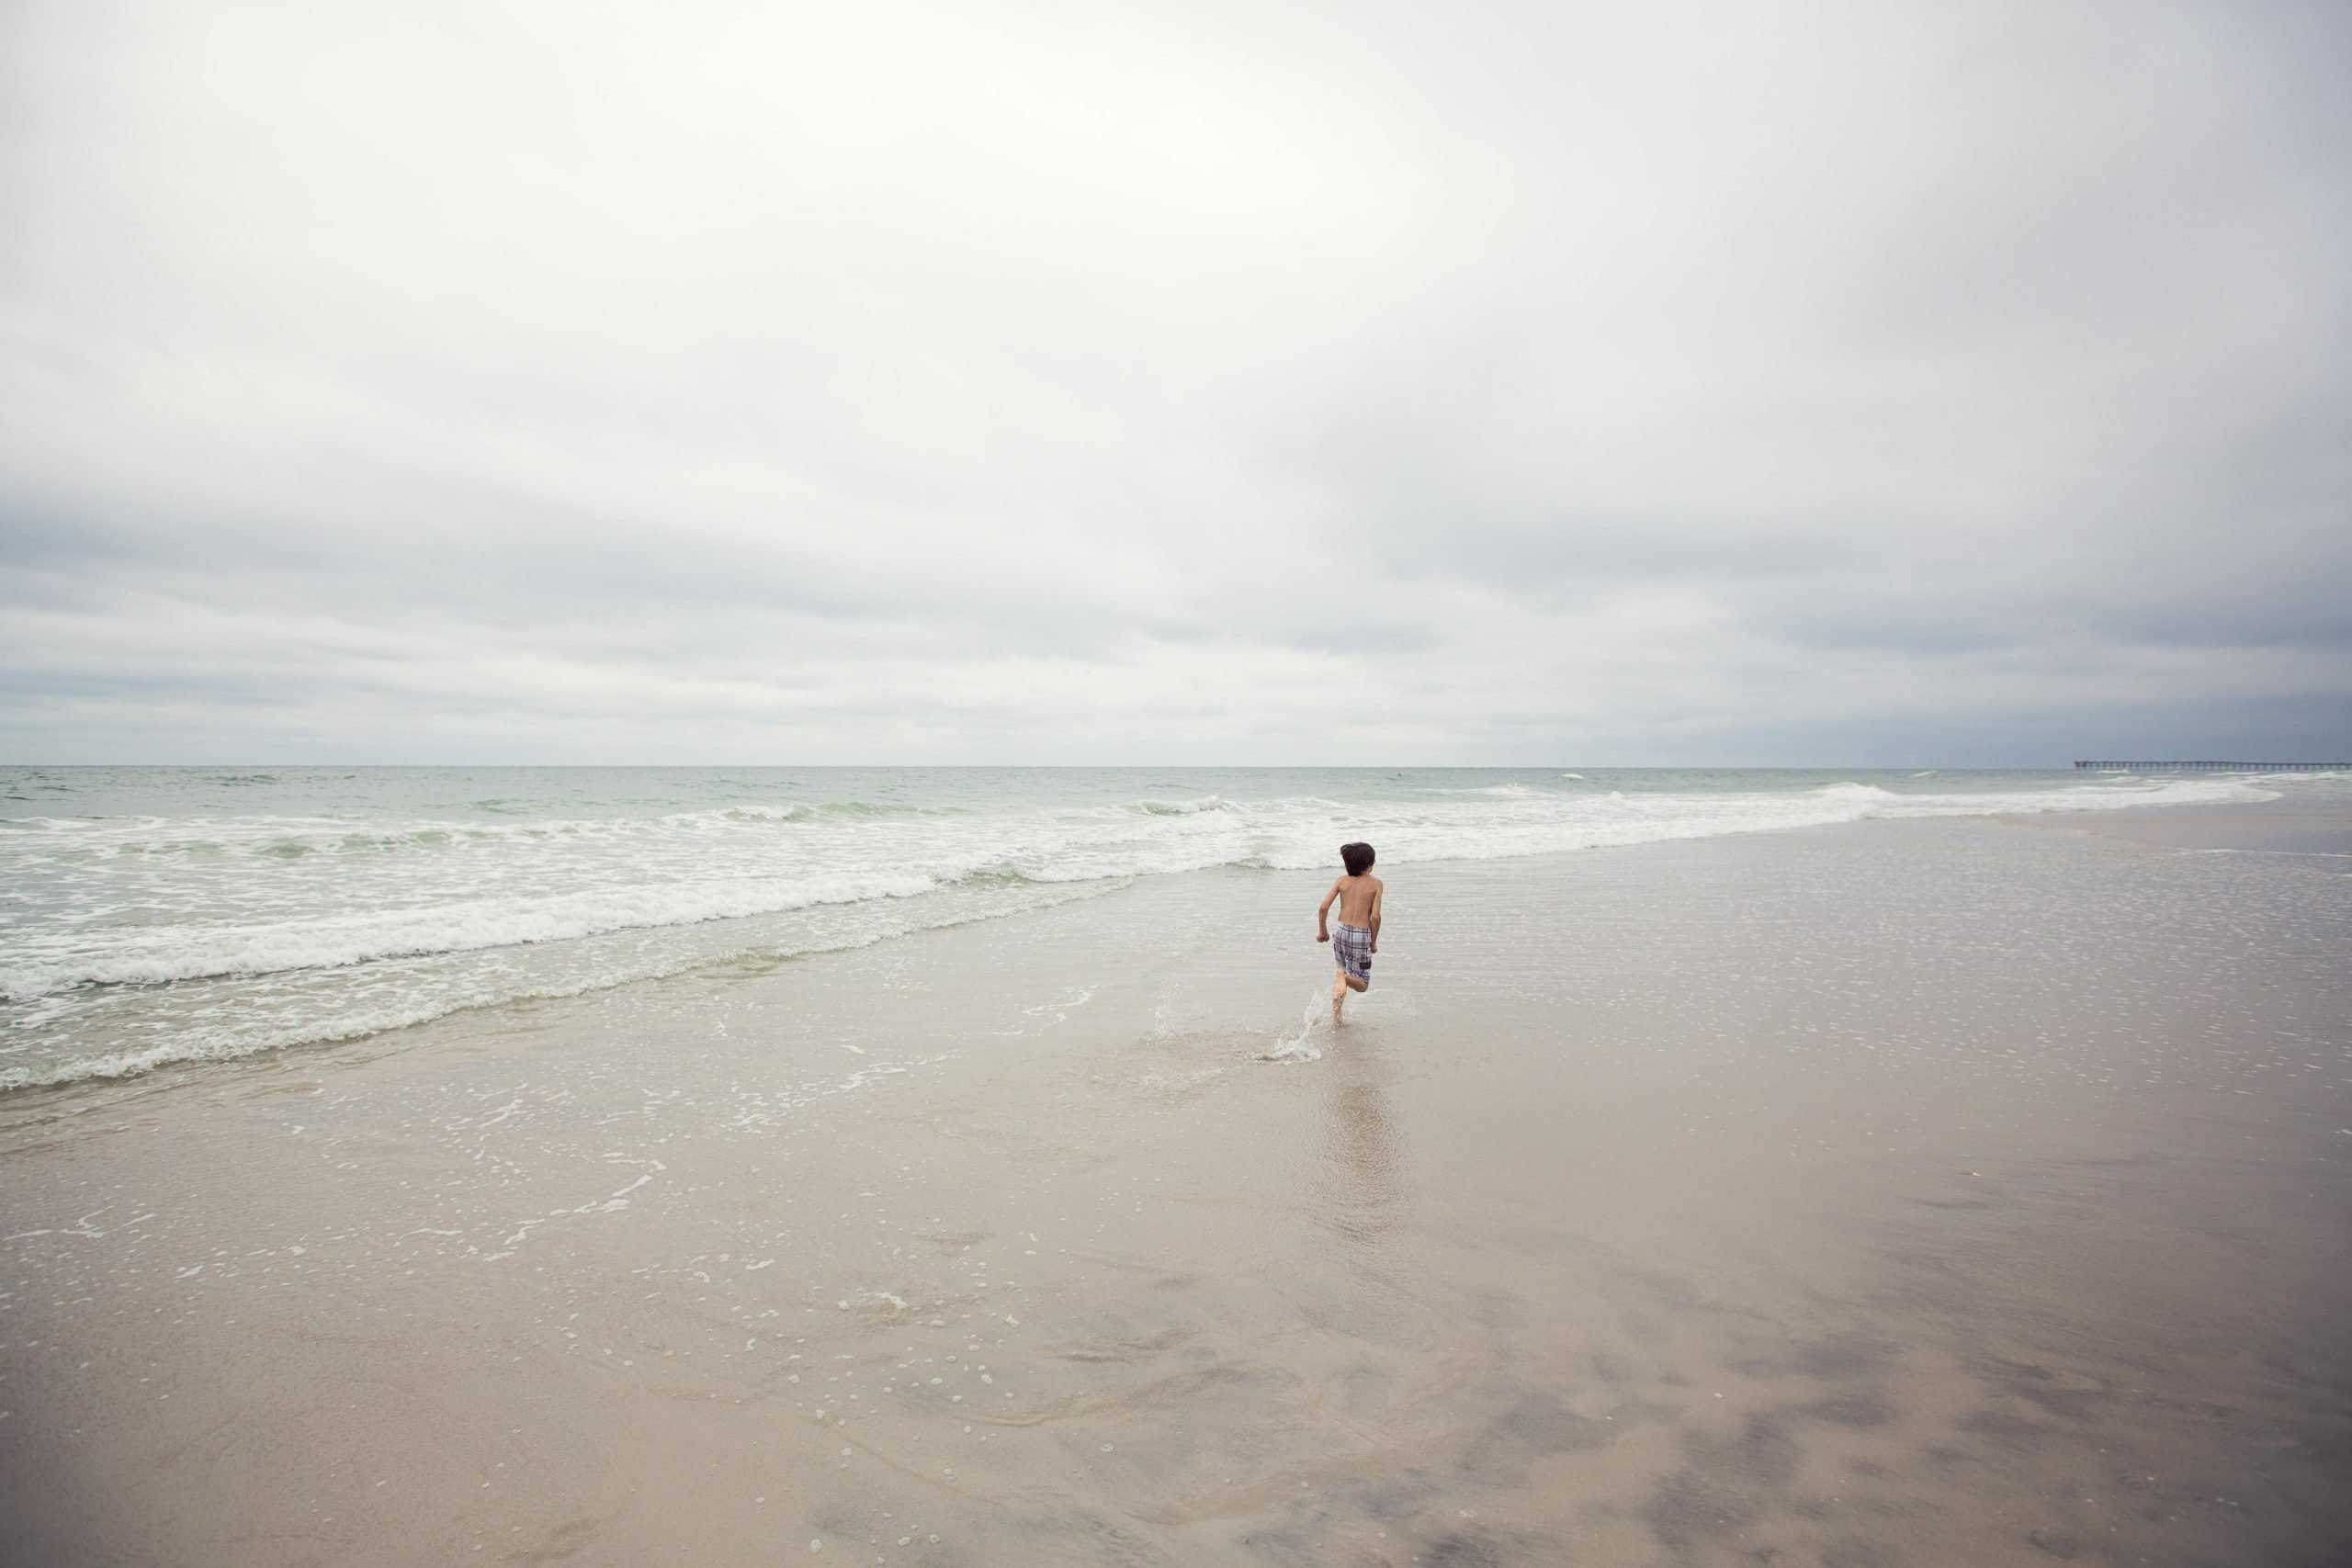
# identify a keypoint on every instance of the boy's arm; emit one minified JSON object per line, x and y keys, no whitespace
{"x":1322,"y":914}
{"x":1375,"y":915}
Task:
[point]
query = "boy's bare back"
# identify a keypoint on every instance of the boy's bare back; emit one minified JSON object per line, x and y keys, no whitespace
{"x":1358,"y":897}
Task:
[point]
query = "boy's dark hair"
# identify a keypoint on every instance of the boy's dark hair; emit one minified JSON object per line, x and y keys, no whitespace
{"x":1358,"y":856}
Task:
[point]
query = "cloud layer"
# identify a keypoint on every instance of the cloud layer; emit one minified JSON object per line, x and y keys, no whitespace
{"x":1370,"y":383}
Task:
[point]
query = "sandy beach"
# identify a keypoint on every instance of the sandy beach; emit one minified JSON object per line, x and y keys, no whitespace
{"x":1911,"y":1192}
{"x":2313,"y":830}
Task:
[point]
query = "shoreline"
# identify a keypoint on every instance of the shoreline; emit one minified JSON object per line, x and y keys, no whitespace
{"x":2287,"y":825}
{"x":2291,"y":825}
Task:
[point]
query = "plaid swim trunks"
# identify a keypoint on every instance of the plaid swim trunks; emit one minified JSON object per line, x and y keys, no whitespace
{"x":1351,"y":947}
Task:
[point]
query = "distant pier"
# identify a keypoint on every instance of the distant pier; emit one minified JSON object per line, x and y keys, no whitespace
{"x":2209,"y":767}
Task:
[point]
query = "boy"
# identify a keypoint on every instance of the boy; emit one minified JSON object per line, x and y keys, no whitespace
{"x":1359,"y":898}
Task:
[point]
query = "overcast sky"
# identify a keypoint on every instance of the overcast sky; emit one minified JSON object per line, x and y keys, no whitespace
{"x":1370,"y":382}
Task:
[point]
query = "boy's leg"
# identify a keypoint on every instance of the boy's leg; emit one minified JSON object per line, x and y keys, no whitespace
{"x":1356,"y":983}
{"x":1339,"y":993}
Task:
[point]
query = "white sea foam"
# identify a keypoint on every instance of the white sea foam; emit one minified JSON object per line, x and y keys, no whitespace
{"x":427,"y":991}
{"x":172,"y":931}
{"x":1500,"y":791}
{"x":196,"y":1045}
{"x":1184,"y":808}
{"x":181,"y":952}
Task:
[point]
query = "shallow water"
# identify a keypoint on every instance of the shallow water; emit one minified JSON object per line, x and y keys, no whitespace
{"x":160,"y":916}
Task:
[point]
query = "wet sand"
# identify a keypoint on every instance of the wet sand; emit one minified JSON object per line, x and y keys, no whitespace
{"x":1906,"y":1193}
{"x":2302,"y":822}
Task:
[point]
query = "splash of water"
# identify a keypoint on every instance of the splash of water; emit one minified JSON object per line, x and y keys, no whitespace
{"x":1301,"y":1046}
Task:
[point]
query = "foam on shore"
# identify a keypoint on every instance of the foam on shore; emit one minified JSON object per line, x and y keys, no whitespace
{"x":222,"y":927}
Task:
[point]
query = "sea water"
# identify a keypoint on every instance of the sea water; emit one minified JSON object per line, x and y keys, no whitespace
{"x":153,"y":916}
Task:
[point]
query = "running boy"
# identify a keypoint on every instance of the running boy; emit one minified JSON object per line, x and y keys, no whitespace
{"x":1358,"y":894}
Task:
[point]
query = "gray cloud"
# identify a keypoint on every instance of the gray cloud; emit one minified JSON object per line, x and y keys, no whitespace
{"x":1009,"y":383}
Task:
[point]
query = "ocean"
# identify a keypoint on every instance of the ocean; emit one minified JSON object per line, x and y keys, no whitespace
{"x":158,"y":916}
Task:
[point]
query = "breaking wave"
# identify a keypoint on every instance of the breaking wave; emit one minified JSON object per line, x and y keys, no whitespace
{"x":131,"y":938}
{"x":339,"y":942}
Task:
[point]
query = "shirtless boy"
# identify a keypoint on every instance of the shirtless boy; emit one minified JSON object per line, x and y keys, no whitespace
{"x":1358,"y":894}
